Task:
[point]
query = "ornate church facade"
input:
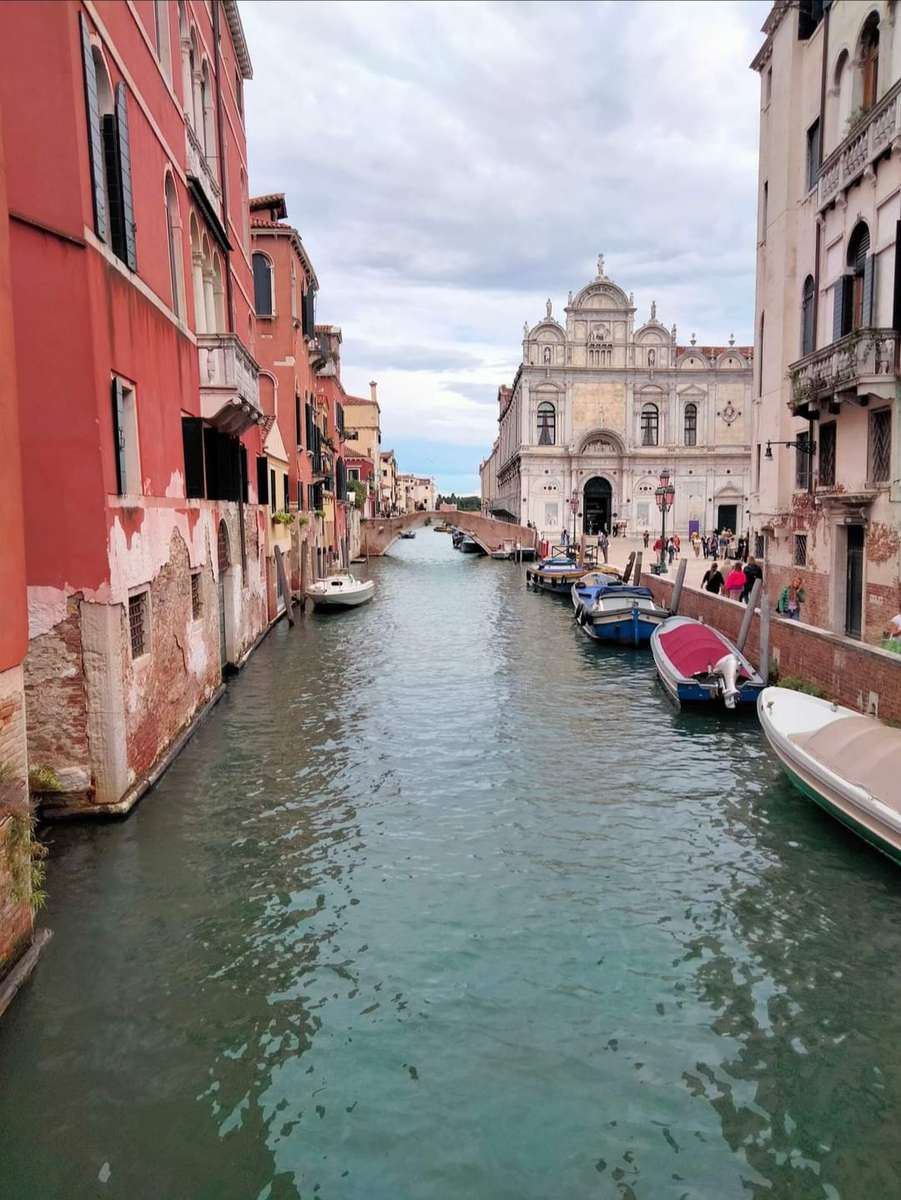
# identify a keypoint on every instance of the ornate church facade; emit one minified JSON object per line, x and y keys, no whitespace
{"x":599,"y":407}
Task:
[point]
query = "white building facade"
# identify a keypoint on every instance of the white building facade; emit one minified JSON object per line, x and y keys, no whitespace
{"x":827,"y":506}
{"x":599,"y":407}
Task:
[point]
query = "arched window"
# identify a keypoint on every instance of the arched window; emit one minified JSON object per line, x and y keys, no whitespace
{"x":842,"y":88}
{"x":868,"y":56}
{"x":807,"y":299}
{"x":691,"y":424}
{"x":173,"y":230}
{"x":650,"y":424}
{"x":207,"y":129}
{"x":193,"y":106}
{"x":293,"y":291}
{"x":200,"y":325}
{"x":262,"y":286}
{"x":218,"y":295}
{"x":161,"y":36}
{"x":857,"y":299}
{"x":547,"y":423}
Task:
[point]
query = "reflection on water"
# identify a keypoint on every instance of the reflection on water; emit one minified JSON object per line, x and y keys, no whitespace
{"x":447,"y":901}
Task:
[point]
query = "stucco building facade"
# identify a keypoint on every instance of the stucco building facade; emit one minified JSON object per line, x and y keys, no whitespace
{"x":600,"y":405}
{"x":828,"y":311}
{"x":145,"y":544}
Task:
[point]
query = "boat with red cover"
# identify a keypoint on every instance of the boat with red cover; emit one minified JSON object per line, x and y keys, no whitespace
{"x":698,"y":664}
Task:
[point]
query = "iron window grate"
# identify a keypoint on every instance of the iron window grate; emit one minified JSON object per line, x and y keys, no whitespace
{"x":137,"y":623}
{"x":800,"y":550}
{"x":196,"y":597}
{"x":880,"y":445}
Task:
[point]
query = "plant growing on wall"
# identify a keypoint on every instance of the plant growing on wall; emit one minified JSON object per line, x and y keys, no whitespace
{"x":283,"y":518}
{"x":360,"y":491}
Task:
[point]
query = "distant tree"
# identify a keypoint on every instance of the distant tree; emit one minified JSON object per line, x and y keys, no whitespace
{"x":469,"y":504}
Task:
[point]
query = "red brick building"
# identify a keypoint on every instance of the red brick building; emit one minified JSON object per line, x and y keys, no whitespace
{"x":15,"y":911}
{"x":138,"y":388}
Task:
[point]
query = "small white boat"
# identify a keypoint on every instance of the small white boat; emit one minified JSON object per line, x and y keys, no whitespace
{"x":847,"y":763}
{"x":340,"y":591}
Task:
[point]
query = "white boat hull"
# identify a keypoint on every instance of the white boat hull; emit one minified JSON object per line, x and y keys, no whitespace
{"x":341,"y":592}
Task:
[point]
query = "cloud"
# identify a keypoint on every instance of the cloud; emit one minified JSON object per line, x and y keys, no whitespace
{"x":451,"y":166}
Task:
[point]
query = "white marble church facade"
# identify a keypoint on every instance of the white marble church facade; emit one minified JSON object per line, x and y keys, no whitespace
{"x":598,"y":408}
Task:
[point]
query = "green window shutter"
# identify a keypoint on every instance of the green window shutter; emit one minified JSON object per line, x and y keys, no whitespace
{"x":262,"y":480}
{"x":118,"y":397}
{"x":126,"y":197}
{"x":869,"y":290}
{"x":95,"y":137}
{"x":841,"y":303}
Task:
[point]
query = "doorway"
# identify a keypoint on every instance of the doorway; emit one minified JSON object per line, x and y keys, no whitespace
{"x":854,"y":581}
{"x":726,"y":517}
{"x":597,"y":505}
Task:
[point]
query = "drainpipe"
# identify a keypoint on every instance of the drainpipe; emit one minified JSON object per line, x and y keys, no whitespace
{"x":223,"y":173}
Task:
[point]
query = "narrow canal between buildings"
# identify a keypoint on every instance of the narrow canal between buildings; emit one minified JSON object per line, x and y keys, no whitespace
{"x":446,"y":901}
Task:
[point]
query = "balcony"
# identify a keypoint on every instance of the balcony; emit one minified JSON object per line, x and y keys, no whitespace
{"x":229,"y":384}
{"x":874,"y":134}
{"x":199,"y":167}
{"x":860,"y":365}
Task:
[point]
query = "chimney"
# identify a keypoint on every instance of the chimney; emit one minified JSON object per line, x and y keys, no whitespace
{"x":372,"y":390}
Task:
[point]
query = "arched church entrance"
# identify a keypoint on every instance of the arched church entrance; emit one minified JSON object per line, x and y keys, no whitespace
{"x":597,"y":505}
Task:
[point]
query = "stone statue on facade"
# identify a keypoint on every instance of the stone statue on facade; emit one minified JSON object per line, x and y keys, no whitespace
{"x":653,"y":310}
{"x":547,"y":354}
{"x":525,"y":329}
{"x":548,"y":308}
{"x":600,"y":266}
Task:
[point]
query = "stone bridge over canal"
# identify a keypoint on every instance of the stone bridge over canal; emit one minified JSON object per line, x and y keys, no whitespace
{"x":378,"y":534}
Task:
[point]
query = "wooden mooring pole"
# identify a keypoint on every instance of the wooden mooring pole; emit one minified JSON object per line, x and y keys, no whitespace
{"x":629,"y":564}
{"x":764,"y":660}
{"x":749,"y":615}
{"x":677,"y":586}
{"x":636,"y":574}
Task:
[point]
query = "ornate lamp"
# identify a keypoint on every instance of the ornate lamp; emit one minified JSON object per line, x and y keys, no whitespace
{"x":665,"y":496}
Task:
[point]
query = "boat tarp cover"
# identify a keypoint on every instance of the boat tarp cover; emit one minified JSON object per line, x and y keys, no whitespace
{"x":861,"y":750}
{"x":693,"y":649}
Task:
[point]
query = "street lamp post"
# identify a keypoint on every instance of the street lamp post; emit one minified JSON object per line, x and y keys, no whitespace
{"x":664,"y":494}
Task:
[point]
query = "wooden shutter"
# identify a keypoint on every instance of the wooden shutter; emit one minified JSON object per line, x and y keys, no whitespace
{"x":211,"y":462}
{"x":841,"y":304}
{"x":118,"y":395}
{"x":298,"y":437}
{"x":242,"y":463}
{"x":95,"y":137}
{"x":262,"y":481}
{"x":126,"y":197}
{"x":192,"y":441}
{"x":287,"y":492}
{"x":869,"y":290}
{"x":896,"y":305}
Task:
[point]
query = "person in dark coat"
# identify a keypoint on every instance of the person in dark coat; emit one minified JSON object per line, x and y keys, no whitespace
{"x":753,"y":572}
{"x":713,"y":580}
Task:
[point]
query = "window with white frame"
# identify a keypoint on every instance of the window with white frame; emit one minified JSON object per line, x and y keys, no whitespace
{"x":139,"y":623}
{"x":125,"y":439}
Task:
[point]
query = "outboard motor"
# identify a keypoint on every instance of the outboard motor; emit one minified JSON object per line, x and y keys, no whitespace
{"x":727,"y":669}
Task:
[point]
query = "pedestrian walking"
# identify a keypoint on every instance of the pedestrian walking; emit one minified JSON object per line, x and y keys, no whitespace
{"x":713,"y":579}
{"x":646,"y":537}
{"x":696,"y":543}
{"x":735,"y":582}
{"x":670,"y":550}
{"x":564,"y":538}
{"x":753,"y":572}
{"x":603,"y":544}
{"x":791,"y":599}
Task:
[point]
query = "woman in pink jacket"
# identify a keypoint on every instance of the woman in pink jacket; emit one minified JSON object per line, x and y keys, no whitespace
{"x":735,"y":582}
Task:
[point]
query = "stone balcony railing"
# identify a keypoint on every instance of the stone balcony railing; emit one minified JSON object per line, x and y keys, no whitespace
{"x":869,"y":138}
{"x":861,"y":364}
{"x":199,"y":167}
{"x":229,"y":383}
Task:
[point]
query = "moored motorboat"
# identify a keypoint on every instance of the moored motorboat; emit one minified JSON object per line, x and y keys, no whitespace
{"x":408,"y":533}
{"x":340,"y":591}
{"x":848,"y":764}
{"x":559,"y":573}
{"x":610,"y":611}
{"x":698,"y":664}
{"x":470,"y":546}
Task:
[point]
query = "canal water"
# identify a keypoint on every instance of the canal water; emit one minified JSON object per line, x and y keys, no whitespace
{"x":445,"y":901}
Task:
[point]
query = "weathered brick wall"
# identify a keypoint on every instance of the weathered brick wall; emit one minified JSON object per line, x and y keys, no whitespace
{"x":815,"y":610}
{"x":55,"y":696}
{"x":15,"y":916}
{"x":846,"y":670}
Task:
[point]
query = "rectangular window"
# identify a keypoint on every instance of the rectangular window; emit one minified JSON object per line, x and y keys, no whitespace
{"x":222,"y":462}
{"x":768,"y":87}
{"x":800,"y":555}
{"x":802,"y":462}
{"x":192,"y":443}
{"x":138,"y":624}
{"x":880,"y":449}
{"x":299,"y":496}
{"x":813,"y":154}
{"x":196,"y":596}
{"x":827,"y":454}
{"x":273,"y":495}
{"x":125,"y":440}
{"x":353,"y":473}
{"x":298,"y":436}
{"x":764,"y":207}
{"x":760,"y":546}
{"x":757,"y":468}
{"x":286,"y":489}
{"x":308,"y":314}
{"x":262,"y":480}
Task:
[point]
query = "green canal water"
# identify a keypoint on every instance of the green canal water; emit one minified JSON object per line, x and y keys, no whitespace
{"x":445,"y":901}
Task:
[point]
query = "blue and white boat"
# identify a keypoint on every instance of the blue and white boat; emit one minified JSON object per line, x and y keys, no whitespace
{"x":698,"y":664}
{"x":610,"y":611}
{"x":559,"y":573}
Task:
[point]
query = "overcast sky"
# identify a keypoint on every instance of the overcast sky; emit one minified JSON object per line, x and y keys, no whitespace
{"x":451,"y":165}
